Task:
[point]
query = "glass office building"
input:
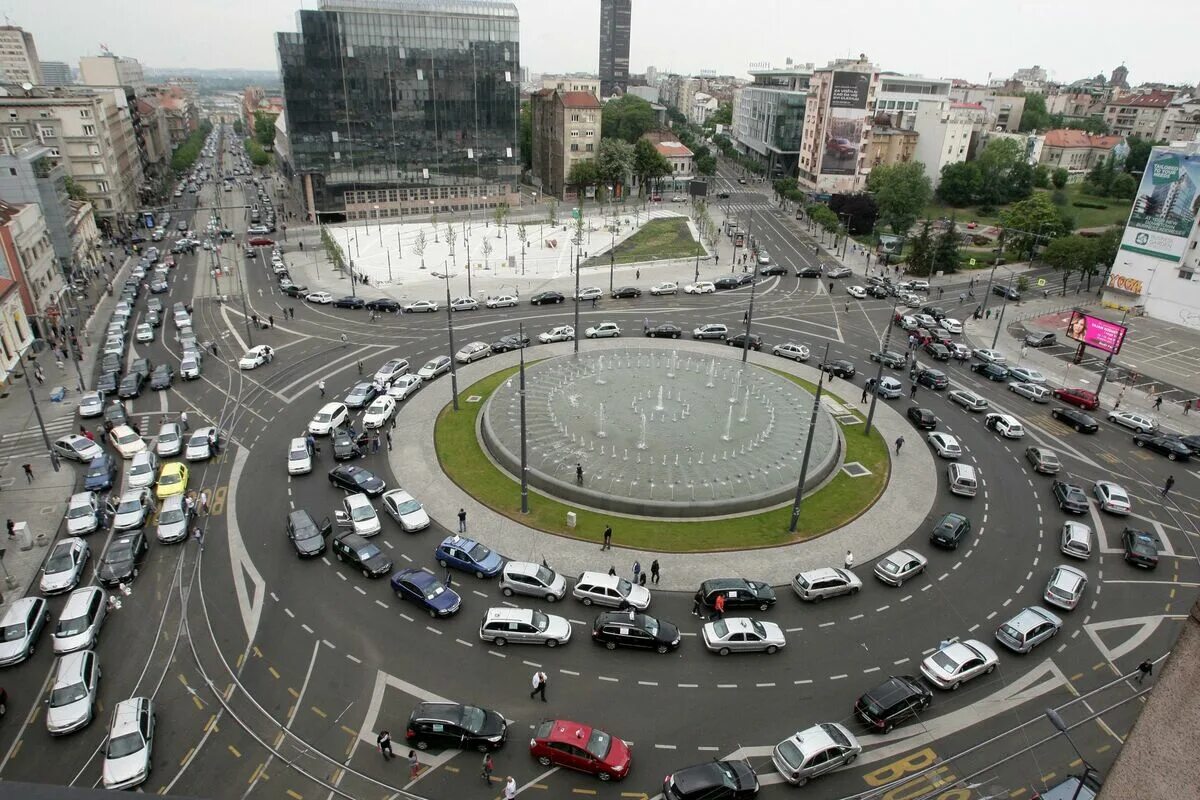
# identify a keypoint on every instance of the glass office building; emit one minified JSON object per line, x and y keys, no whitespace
{"x":401,"y":107}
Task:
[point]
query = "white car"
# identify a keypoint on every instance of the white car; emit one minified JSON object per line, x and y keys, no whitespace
{"x":77,"y":448}
{"x":169,"y":440}
{"x":299,"y":460}
{"x":22,"y":624}
{"x":256,"y":356}
{"x":742,"y":635}
{"x":1031,"y":391}
{"x":990,"y":356}
{"x":503,"y":301}
{"x":856,"y":292}
{"x":960,"y":351}
{"x":142,"y":470}
{"x":130,"y":744}
{"x":918,"y":286}
{"x":126,"y":441}
{"x":590,"y":293}
{"x":327,"y":418}
{"x":1134,"y":421}
{"x":953,"y":664}
{"x":91,"y":404}
{"x":1027,"y":375}
{"x":464,"y":304}
{"x":379,"y":413}
{"x":670,"y":287}
{"x":951,"y":325}
{"x":1005,"y":425}
{"x":321,"y":298}
{"x":426,"y":306}
{"x":796,"y":352}
{"x":603,"y":330}
{"x":404,"y":386}
{"x":562,"y":333}
{"x":189,"y":365}
{"x":172,"y":520}
{"x":1075,"y":540}
{"x":944,"y":445}
{"x":199,"y":446}
{"x":391,"y":370}
{"x":64,"y":566}
{"x":1112,"y":497}
{"x":73,"y":692}
{"x":473,"y":351}
{"x":402,"y":507}
{"x":701,"y":287}
{"x":899,"y":566}
{"x":433,"y":368}
{"x":359,"y":515}
{"x":145,"y":332}
{"x":83,"y":513}
{"x":132,"y":509}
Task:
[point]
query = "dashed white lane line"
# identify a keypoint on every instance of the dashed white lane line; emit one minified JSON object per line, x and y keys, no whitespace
{"x":288,"y":611}
{"x":465,"y":643}
{"x":328,"y":644}
{"x":274,"y":597}
{"x":870,"y":670}
{"x":764,"y":685}
{"x":478,"y":593}
{"x":801,"y":682}
{"x":647,"y":683}
{"x":665,"y":747}
{"x":306,"y":628}
{"x":901,"y":661}
{"x":495,"y":653}
{"x":826,"y":624}
{"x":727,"y":685}
{"x":884,"y":608}
{"x":793,"y":630}
{"x":856,"y":616}
{"x":432,"y":629}
{"x":569,"y":672}
{"x":837,"y":677}
{"x":606,"y":678}
{"x":360,"y":590}
{"x":405,"y":617}
{"x":381,"y":604}
{"x":533,"y":664}
{"x":708,"y":749}
{"x":687,"y":686}
{"x":388,"y":544}
{"x":340,"y":575}
{"x":406,"y":558}
{"x":352,"y":658}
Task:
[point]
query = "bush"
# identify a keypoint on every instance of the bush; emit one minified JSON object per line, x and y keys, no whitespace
{"x":1059,"y":198}
{"x":987,"y":210}
{"x":1096,"y":206}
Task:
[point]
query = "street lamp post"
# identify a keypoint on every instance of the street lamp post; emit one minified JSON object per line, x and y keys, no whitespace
{"x":749,"y":322}
{"x":612,"y":256}
{"x":450,"y":334}
{"x":37,"y":411}
{"x":1062,"y":727}
{"x":379,"y":225}
{"x":887,"y":338}
{"x":812,"y":426}
{"x":578,"y":332}
{"x":1004,"y":305}
{"x":524,"y":468}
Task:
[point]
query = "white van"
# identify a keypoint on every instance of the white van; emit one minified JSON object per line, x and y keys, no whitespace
{"x":963,"y":479}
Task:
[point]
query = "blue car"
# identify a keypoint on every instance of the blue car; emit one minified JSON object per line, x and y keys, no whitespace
{"x":101,"y":473}
{"x":419,"y":587}
{"x":469,"y":555}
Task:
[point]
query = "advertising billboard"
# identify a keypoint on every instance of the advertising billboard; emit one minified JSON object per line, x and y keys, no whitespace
{"x":1166,"y":205}
{"x":847,"y":115}
{"x":1095,"y":332}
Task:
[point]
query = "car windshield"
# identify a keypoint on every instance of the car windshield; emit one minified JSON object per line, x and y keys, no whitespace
{"x":472,"y":719}
{"x":168,"y":437}
{"x":71,"y":627}
{"x":545,"y":576}
{"x":97,"y":468}
{"x":12,"y":633}
{"x":479,"y":553}
{"x":323,"y":417}
{"x":141,"y":468}
{"x":790,"y":753}
{"x":599,"y":743}
{"x":127,"y":745}
{"x":651,"y":626}
{"x":120,"y":550}
{"x":298,"y":454}
{"x":728,"y":776}
{"x":408,"y":507}
{"x":198,"y":440}
{"x":130,"y":504}
{"x":759,"y":629}
{"x":60,"y":560}
{"x":434,"y":591}
{"x":430,"y":365}
{"x":79,"y":511}
{"x":890,"y":567}
{"x":363,"y":512}
{"x":624,"y":587}
{"x":169,"y":515}
{"x":67,"y":694}
{"x":170,"y":478}
{"x":127,"y":438}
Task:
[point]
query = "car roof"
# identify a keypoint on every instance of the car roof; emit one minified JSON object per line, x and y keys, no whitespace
{"x":125,"y":717}
{"x":357,"y":499}
{"x":600,"y":578}
{"x":18,"y":612}
{"x":812,"y":740}
{"x":1027,"y":618}
{"x":821,"y":573}
{"x":890,"y":690}
{"x":721,"y":584}
{"x":565,"y":730}
{"x":457,"y":541}
{"x":508,"y":615}
{"x":69,"y":668}
{"x":1062,"y":571}
{"x":78,"y":601}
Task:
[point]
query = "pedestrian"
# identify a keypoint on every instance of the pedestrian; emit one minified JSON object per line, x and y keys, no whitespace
{"x":321,"y":387}
{"x":637,"y":275}
{"x":745,"y":316}
{"x":198,"y":535}
{"x":1157,"y":400}
{"x":642,"y":579}
{"x":1168,"y":485}
{"x":654,"y":571}
{"x":375,"y":444}
{"x":1187,"y":407}
{"x":696,"y":606}
{"x":612,"y":572}
{"x":345,"y":341}
{"x":1145,"y":670}
{"x":360,"y":367}
{"x":189,"y":503}
{"x":414,"y":765}
{"x":184,"y":421}
{"x":637,"y":570}
{"x":271,"y":319}
{"x":204,"y":500}
{"x":384,"y":740}
{"x":449,"y":578}
{"x":594,"y":299}
{"x":607,"y":535}
{"x":510,"y":789}
{"x":830,"y":284}
{"x":214,"y":348}
{"x":848,"y":563}
{"x":486,"y":768}
{"x":388,"y":434}
{"x":37,"y":373}
{"x":863,"y":399}
{"x":462,"y":520}
{"x":28,"y":472}
{"x":899,"y":444}
{"x":912,"y":393}
{"x":579,"y":474}
{"x":718,"y":607}
{"x":539,"y":685}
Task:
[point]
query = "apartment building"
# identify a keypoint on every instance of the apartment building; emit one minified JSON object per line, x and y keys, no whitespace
{"x":1137,"y":114}
{"x":946,"y":134}
{"x":29,"y":258}
{"x":566,"y":130}
{"x":110,"y":70}
{"x":18,"y":57}
{"x":768,"y":117}
{"x":572,"y":83}
{"x":1180,"y":121}
{"x":837,"y":127}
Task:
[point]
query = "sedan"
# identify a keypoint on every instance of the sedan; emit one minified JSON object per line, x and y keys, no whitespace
{"x":839,"y":367}
{"x":701,"y":287}
{"x":122,"y":561}
{"x":22,"y":625}
{"x":404,"y":386}
{"x":742,"y":635}
{"x":1027,"y":375}
{"x":422,"y":306}
{"x":473,"y":351}
{"x":356,"y":479}
{"x":627,"y":291}
{"x":141,"y":470}
{"x":541,"y":298}
{"x":512,"y":341}
{"x":349,"y":302}
{"x":796,"y":352}
{"x":1043,"y":460}
{"x":406,"y":510}
{"x":468,"y":555}
{"x":130,"y":386}
{"x":200,"y":445}
{"x":665,"y":330}
{"x":901,"y":565}
{"x":774,"y":269}
{"x":174,"y":520}
{"x":77,"y":448}
{"x":1087,"y":400}
{"x":712,"y":780}
{"x":361,"y":394}
{"x":923,"y":418}
{"x":91,"y":404}
{"x":427,"y":592}
{"x":603,"y":330}
{"x":434,"y":367}
{"x":889,"y":358}
{"x":670,"y":287}
{"x":1070,"y":497}
{"x":857,"y":292}
{"x":132,"y":509}
{"x":380,"y":412}
{"x":1141,"y":548}
{"x":464,"y":304}
{"x":967,"y":399}
{"x":1168,"y":446}
{"x":382,"y":304}
{"x":1111,"y":497}
{"x":83,"y":513}
{"x":1030,"y":391}
{"x":952,"y":325}
{"x":101,"y":473}
{"x":615,"y":629}
{"x":953,"y":664}
{"x":292,"y":290}
{"x":126,"y":441}
{"x":161,"y":378}
{"x":561,"y":333}
{"x":562,"y":743}
{"x":944,"y":445}
{"x":1065,"y":587}
{"x":990,"y":370}
{"x":950,"y":531}
{"x":256,"y":356}
{"x":172,"y":480}
{"x":1134,"y":421}
{"x":1081,"y":422}
{"x":989,"y":356}
{"x":145,"y":333}
{"x":320,"y":298}
{"x":64,"y":566}
{"x":169,"y":440}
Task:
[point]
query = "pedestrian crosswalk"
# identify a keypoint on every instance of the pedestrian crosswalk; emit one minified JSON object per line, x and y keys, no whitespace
{"x":28,"y":444}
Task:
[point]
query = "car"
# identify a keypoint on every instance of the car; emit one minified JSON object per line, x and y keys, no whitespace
{"x":806,"y":271}
{"x":1069,"y":497}
{"x":421,"y":306}
{"x":742,"y":634}
{"x":1043,"y":460}
{"x":560,"y":333}
{"x":950,"y":531}
{"x":796,"y":352}
{"x":1111,"y":497}
{"x":358,"y":515}
{"x":1007,"y":292}
{"x":83,"y":513}
{"x":390,"y":370}
{"x":305,"y":534}
{"x":126,"y":441}
{"x":955,"y":663}
{"x":173,"y":520}
{"x":895,"y":701}
{"x":990,"y":370}
{"x":200,"y":446}
{"x":877,"y":291}
{"x":817,"y":584}
{"x":161,"y":378}
{"x":562,"y":743}
{"x":1065,"y":587}
{"x":889,"y":358}
{"x":967,"y":399}
{"x":839,"y":367}
{"x":64,"y":566}
{"x":142,"y":470}
{"x":379,"y":413}
{"x":434,"y":367}
{"x":169,"y":440}
{"x":610,"y":590}
{"x":20,"y":629}
{"x":1133,"y":420}
{"x":356,"y":479}
{"x":923,"y":418}
{"x":468,"y":555}
{"x":73,"y":692}
{"x":172,"y":480}
{"x":130,"y":744}
{"x":887,"y":387}
{"x":857,"y":292}
{"x":700,"y":287}
{"x":346,"y":444}
{"x":840,"y":272}
{"x":189,"y":365}
{"x":738,"y":593}
{"x":361,"y":394}
{"x":108,"y":381}
{"x":615,"y":629}
{"x":1027,"y":375}
{"x":260,"y":241}
{"x":352,"y":302}
{"x":362,"y":554}
{"x":626,"y":292}
{"x":952,"y":325}
{"x":523,"y":626}
{"x":742,"y":340}
{"x":295,"y":290}
{"x":256,"y":356}
{"x":328,"y":418}
{"x":1140,"y":548}
{"x":512,"y":341}
{"x":464,"y":304}
{"x":1075,"y":540}
{"x":404,"y":386}
{"x":406,"y":510}
{"x":122,"y":560}
{"x":423,"y":589}
{"x":320,"y":298}
{"x":774,"y":269}
{"x":74,"y":447}
{"x":502,"y":301}
{"x":814,"y":751}
{"x":1030,"y":391}
{"x":91,"y":404}
{"x":732,"y":779}
{"x":937,"y":351}
{"x":541,"y":298}
{"x":1083,"y":398}
{"x":899,"y":566}
{"x":603,"y":330}
{"x":727,"y":282}
{"x":132,"y":510}
{"x":989,"y":356}
{"x":1168,"y":446}
{"x":1005,"y":425}
{"x":1028,"y":628}
{"x":101,"y":473}
{"x":589,"y":293}
{"x":668,"y":287}
{"x":445,"y":724}
{"x":144,"y":333}
{"x":944,"y":445}
{"x":299,"y":457}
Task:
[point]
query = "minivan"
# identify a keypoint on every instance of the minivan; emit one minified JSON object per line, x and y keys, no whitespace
{"x":963,"y":479}
{"x":80,"y":621}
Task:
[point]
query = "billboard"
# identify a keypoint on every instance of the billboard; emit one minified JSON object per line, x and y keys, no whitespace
{"x":844,"y":129}
{"x":1165,"y":207}
{"x":1095,"y":332}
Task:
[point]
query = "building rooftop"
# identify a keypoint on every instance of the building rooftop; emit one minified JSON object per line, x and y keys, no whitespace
{"x":1069,"y":137}
{"x":8,"y":211}
{"x":1152,"y":99}
{"x":579,"y":100}
{"x":968,"y":105}
{"x":672,"y":149}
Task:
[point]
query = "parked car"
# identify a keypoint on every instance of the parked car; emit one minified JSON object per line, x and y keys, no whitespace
{"x":562,"y":743}
{"x":541,"y":298}
{"x":664,"y":330}
{"x":1083,"y":398}
{"x":895,"y":701}
{"x":502,"y":625}
{"x":1168,"y":446}
{"x":1141,"y":423}
{"x":425,"y":591}
{"x":839,"y":367}
{"x":1030,"y":391}
{"x":615,"y":629}
{"x":626,"y":291}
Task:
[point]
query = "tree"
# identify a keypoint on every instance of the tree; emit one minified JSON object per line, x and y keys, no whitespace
{"x":1034,"y":117}
{"x":1107,"y":246}
{"x":722,"y":116}
{"x":1020,"y":182}
{"x":264,"y":129}
{"x":648,"y":164}
{"x":1027,"y":221}
{"x":626,"y":117}
{"x":451,"y":237}
{"x":1124,"y":186}
{"x":1100,"y":178}
{"x":901,"y":190}
{"x":75,"y":191}
{"x":920,"y":250}
{"x":553,"y":213}
{"x":706,"y":165}
{"x":258,"y":156}
{"x":523,"y":238}
{"x":238,"y":127}
{"x":1041,"y":176}
{"x":615,"y":163}
{"x":526,"y":135}
{"x":860,"y":210}
{"x":823,"y":216}
{"x":1088,"y":124}
{"x":1139,"y":154}
{"x":583,"y":175}
{"x":499,"y":213}
{"x":487,"y":251}
{"x":783,"y":187}
{"x":419,"y":245}
{"x":995,"y":163}
{"x":945,"y":250}
{"x":960,"y":184}
{"x":1068,"y":254}
{"x":1060,"y":177}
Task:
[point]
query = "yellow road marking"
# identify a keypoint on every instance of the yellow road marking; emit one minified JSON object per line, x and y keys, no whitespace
{"x":17,"y":749}
{"x":257,"y":653}
{"x":234,"y":750}
{"x":319,"y":713}
{"x":240,"y":659}
{"x":211,"y":722}
{"x":274,"y":672}
{"x":257,"y":770}
{"x":278,"y":739}
{"x":1077,"y":676}
{"x":294,"y":795}
{"x":1017,"y":793}
{"x":229,"y":691}
{"x":1075,"y":763}
{"x":350,"y":731}
{"x":293,"y":693}
{"x":199,"y":705}
{"x":1050,"y":777}
{"x":583,"y":791}
{"x":450,"y":769}
{"x":1103,"y":748}
{"x":184,"y":760}
{"x":337,"y":776}
{"x":1101,"y":665}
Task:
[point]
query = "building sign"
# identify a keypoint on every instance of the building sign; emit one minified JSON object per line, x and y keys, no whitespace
{"x":1095,"y":332}
{"x":1124,"y":284}
{"x":1165,"y":207}
{"x":844,"y":129}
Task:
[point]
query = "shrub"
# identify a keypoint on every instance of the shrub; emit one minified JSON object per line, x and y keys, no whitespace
{"x":1059,"y":198}
{"x":1096,"y":206}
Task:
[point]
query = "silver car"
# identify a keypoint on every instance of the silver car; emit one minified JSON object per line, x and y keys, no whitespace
{"x":199,"y":446}
{"x":901,"y":565}
{"x":1076,"y":540}
{"x":132,"y":509}
{"x":73,"y":691}
{"x":79,"y":622}
{"x":91,"y":404}
{"x":602,"y":589}
{"x":20,"y":628}
{"x":1065,"y":587}
{"x":822,"y":748}
{"x":130,"y":744}
{"x":83,"y":513}
{"x":173,"y":520}
{"x":169,"y":441}
{"x":953,"y":664}
{"x":142,"y":470}
{"x":527,"y":578}
{"x":64,"y":566}
{"x":742,"y":635}
{"x":1029,"y":628}
{"x":406,"y":510}
{"x":523,"y":626}
{"x":817,"y":584}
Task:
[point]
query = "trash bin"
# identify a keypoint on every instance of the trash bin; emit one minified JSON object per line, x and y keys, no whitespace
{"x":570,"y":521}
{"x":23,"y":535}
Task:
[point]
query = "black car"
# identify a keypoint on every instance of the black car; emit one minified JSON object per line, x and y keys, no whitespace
{"x":444,"y":725}
{"x":774,"y":269}
{"x":161,"y":377}
{"x":993,"y":372}
{"x":923,"y":418}
{"x":541,"y":298}
{"x":115,"y":413}
{"x":889,"y":358}
{"x":101,"y":473}
{"x":307,"y":536}
{"x":722,"y":195}
{"x":108,"y":382}
{"x":738,"y":592}
{"x":839,"y":367}
{"x":950,"y":531}
{"x":142,"y":366}
{"x":739,"y":340}
{"x":382,"y":304}
{"x":1141,"y":548}
{"x":934,"y":312}
{"x":1008,"y":291}
{"x":726,"y":282}
{"x":131,"y":386}
{"x":627,"y":291}
{"x":362,"y":554}
{"x":345,"y":445}
{"x":878,"y":291}
{"x":745,"y":279}
{"x":615,"y":629}
{"x":808,"y":272}
{"x":667,"y":330}
{"x":1168,"y":446}
{"x":110,"y":363}
{"x":1070,"y":497}
{"x":1192,"y":443}
{"x":511,"y":342}
{"x":712,"y":780}
{"x":250,"y":252}
{"x":1081,"y":422}
{"x":893,"y":702}
{"x":349,"y":302}
{"x":356,"y":479}
{"x":159,"y":287}
{"x":932,"y":379}
{"x":292,"y":290}
{"x":123,"y":559}
{"x":937,"y":351}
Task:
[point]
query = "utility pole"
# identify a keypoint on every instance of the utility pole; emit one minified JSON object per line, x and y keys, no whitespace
{"x":578,"y":332}
{"x":749,"y":322}
{"x":450,"y":333}
{"x":812,"y":426}
{"x":524,"y":467}
{"x":887,"y":338}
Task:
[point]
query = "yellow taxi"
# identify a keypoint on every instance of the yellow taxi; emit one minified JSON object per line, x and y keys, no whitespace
{"x":172,"y":479}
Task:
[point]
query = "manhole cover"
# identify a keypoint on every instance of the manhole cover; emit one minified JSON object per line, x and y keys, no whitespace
{"x":474,"y":398}
{"x":855,"y":469}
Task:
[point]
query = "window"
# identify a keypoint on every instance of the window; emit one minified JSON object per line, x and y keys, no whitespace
{"x":89,"y":130}
{"x":16,"y":132}
{"x":85,"y":113}
{"x":1185,"y":274}
{"x":102,"y":186}
{"x":574,"y":147}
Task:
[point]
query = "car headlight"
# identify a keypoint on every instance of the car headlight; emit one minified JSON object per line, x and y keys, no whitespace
{"x":494,"y":739}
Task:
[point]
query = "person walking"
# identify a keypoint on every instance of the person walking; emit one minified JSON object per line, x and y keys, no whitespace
{"x":462,"y":520}
{"x":1145,"y":670}
{"x":863,"y":399}
{"x":848,"y":563}
{"x":696,"y":606}
{"x":204,"y":501}
{"x":899,"y":444}
{"x":345,"y":341}
{"x":718,"y":607}
{"x":654,"y":571}
{"x":271,"y":319}
{"x":579,"y":474}
{"x":539,"y":685}
{"x":28,"y":472}
{"x":1168,"y":485}
{"x":637,"y":570}
{"x":183,"y":420}
{"x":384,"y":740}
{"x":486,"y":768}
{"x":510,"y":788}
{"x":198,"y":535}
{"x":1158,"y":403}
{"x":321,"y":387}
{"x":388,"y":434}
{"x":414,"y":765}
{"x":912,"y":392}
{"x":607,"y":536}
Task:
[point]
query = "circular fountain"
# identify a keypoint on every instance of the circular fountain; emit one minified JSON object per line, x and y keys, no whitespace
{"x":678,"y":432}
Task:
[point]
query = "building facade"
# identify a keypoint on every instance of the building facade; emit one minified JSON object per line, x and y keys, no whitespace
{"x":57,"y":73}
{"x":837,"y":127}
{"x":703,"y":104}
{"x":400,"y":107}
{"x":15,"y":331}
{"x":110,"y":70}
{"x":572,"y":83}
{"x":29,"y":258}
{"x":30,"y":175}
{"x":768,"y":117}
{"x":1138,"y":114}
{"x":900,"y":96}
{"x":1078,"y":151}
{"x":566,"y":130}
{"x":18,"y":57}
{"x":946,"y":133}
{"x":1180,"y":121}
{"x":616,"y":21}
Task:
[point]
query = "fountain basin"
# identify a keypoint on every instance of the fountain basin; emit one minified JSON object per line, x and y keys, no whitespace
{"x":682,"y":432}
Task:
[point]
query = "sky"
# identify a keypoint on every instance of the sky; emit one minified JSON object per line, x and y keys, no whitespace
{"x":934,"y":38}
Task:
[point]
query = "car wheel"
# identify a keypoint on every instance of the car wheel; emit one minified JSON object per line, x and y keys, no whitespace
{"x":990,"y":670}
{"x":432,"y":613}
{"x":507,"y":592}
{"x":552,"y":643}
{"x":339,"y":556}
{"x":617,"y":335}
{"x":422,"y":746}
{"x":772,"y":649}
{"x":1138,"y":442}
{"x":1171,"y":456}
{"x":500,"y":641}
{"x":888,"y":727}
{"x":442,"y":562}
{"x":1140,"y":429}
{"x":587,"y":601}
{"x":366,"y":573}
{"x":676,"y":336}
{"x":479,"y":575}
{"x":551,"y":598}
{"x":544,"y":761}
{"x":724,"y":651}
{"x":662,"y":648}
{"x":604,"y":776}
{"x":955,"y":686}
{"x":611,"y":645}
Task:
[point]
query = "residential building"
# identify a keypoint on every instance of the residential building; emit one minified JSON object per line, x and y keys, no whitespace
{"x":899,"y":96}
{"x":566,"y":130}
{"x":110,"y":70}
{"x":1078,"y":151}
{"x":768,"y":117}
{"x":153,"y":133}
{"x":837,"y":127}
{"x":677,"y":155}
{"x":182,"y":113}
{"x":651,"y":76}
{"x":1034,"y":74}
{"x":1137,"y":114}
{"x":647,"y":93}
{"x":85,"y":236}
{"x":946,"y":133}
{"x":1004,"y":111}
{"x":572,"y":83}
{"x":19,"y":62}
{"x":1076,"y":104}
{"x":30,"y":175}
{"x":15,"y":331}
{"x":703,"y":104}
{"x":400,"y":107}
{"x":254,"y":101}
{"x":29,"y":257}
{"x":57,"y":73}
{"x":888,"y":145}
{"x":616,"y":20}
{"x":678,"y":92}
{"x":1031,"y":144}
{"x":1181,"y":120}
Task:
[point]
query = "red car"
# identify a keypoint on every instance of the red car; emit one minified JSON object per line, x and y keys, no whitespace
{"x":581,"y":747}
{"x":261,"y":241}
{"x":1083,"y":398}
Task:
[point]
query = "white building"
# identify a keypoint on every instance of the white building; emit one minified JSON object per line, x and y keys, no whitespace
{"x":1181,"y":121}
{"x":18,"y":57}
{"x":945,"y":131}
{"x":702,"y":105}
{"x":109,"y":70}
{"x":15,"y":332}
{"x":899,"y":96}
{"x":647,"y":93}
